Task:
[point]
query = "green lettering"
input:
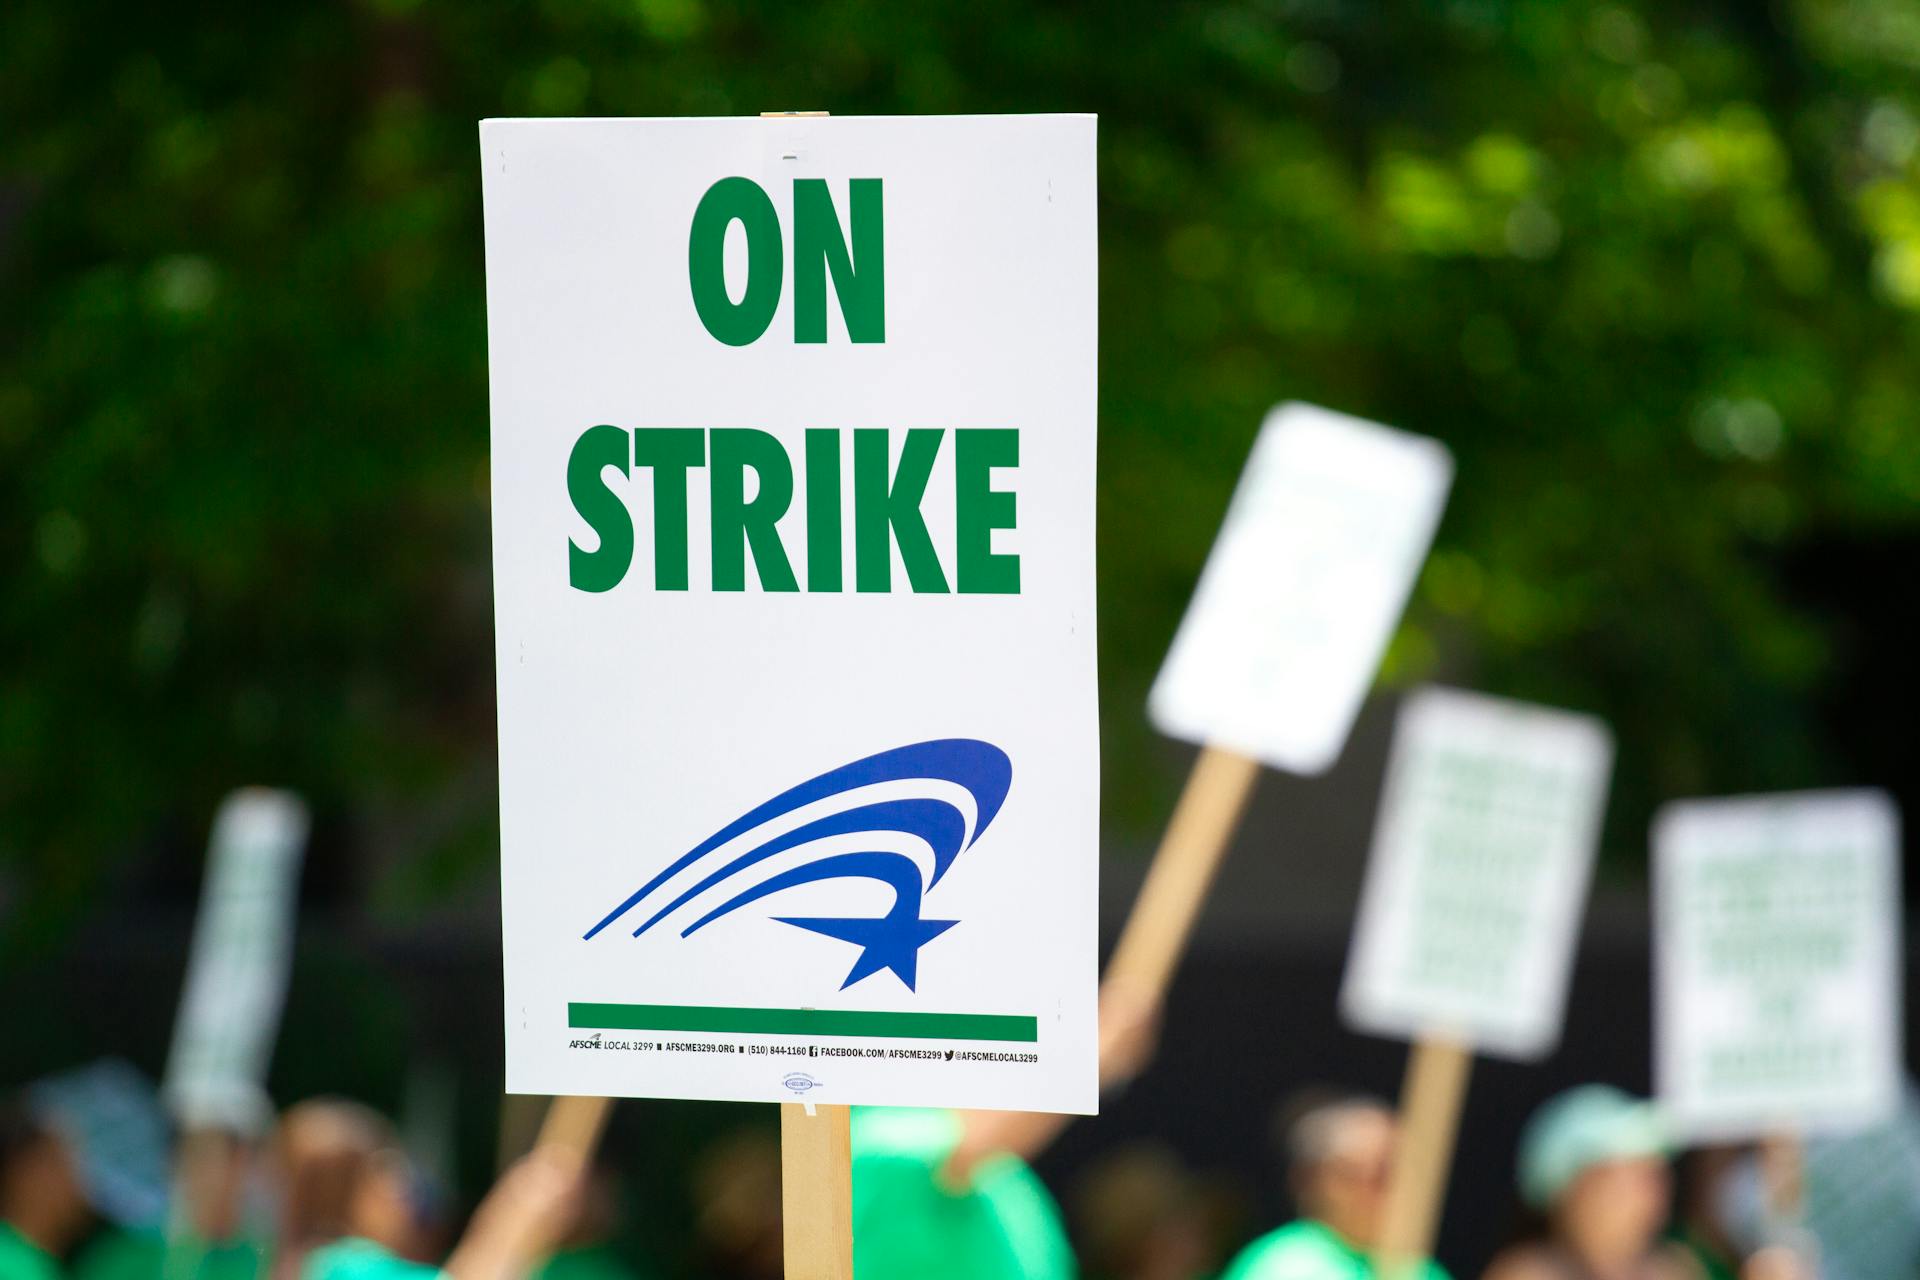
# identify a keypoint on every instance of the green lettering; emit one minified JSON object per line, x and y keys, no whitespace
{"x":859,"y":276}
{"x":738,"y":523}
{"x":735,"y":323}
{"x":886,"y":511}
{"x":670,"y":451}
{"x":823,"y":510}
{"x":599,"y":570}
{"x":979,"y":509}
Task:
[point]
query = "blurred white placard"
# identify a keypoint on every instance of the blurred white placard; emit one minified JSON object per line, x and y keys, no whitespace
{"x":1326,"y":532}
{"x":1776,"y":962}
{"x":237,"y":973}
{"x":1482,"y":853}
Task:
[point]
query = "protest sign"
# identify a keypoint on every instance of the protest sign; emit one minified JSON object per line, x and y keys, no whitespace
{"x":1482,"y":852}
{"x":1776,"y":963}
{"x":793,"y":493}
{"x":1326,"y":532}
{"x":1862,"y":1201}
{"x":237,"y":970}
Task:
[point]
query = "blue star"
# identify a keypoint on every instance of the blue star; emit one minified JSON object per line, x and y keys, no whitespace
{"x":891,"y":942}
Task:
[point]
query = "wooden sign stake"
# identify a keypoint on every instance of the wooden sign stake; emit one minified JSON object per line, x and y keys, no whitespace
{"x":1182,"y":871}
{"x":572,"y":1127}
{"x":1436,"y":1084}
{"x":816,"y":1191}
{"x":1783,"y":1172}
{"x":816,"y":1149}
{"x":1782,"y":1168}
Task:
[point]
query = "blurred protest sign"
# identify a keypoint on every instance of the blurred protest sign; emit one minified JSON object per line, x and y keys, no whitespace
{"x":793,"y":468}
{"x":1326,"y":532}
{"x":1776,"y":963}
{"x":1482,"y":853}
{"x":1862,"y":1205}
{"x":237,"y":971}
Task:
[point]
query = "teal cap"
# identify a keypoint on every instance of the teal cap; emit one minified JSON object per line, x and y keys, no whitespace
{"x":1585,"y":1126}
{"x":110,"y":1118}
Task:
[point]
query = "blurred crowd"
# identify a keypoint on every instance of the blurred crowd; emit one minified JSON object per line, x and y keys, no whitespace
{"x":93,"y":1186}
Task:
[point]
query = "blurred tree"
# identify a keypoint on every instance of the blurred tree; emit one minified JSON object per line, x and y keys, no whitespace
{"x":1651,"y":270}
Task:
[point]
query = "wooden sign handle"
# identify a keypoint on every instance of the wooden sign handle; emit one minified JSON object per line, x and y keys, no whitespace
{"x":816,"y":1152}
{"x":573,"y":1126}
{"x":1436,"y":1084}
{"x":1783,"y":1161}
{"x":816,"y":1192}
{"x":1182,"y":872}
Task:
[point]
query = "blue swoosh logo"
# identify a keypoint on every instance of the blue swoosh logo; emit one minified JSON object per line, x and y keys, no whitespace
{"x":892,"y":941}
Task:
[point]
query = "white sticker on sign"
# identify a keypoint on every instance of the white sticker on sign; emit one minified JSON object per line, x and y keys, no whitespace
{"x":1326,"y":532}
{"x":237,"y":971}
{"x":793,"y":499}
{"x":1482,"y":853}
{"x":1776,"y":962}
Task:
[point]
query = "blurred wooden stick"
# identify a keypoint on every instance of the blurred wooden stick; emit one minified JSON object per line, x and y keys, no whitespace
{"x":520,"y":1117}
{"x":1436,"y":1084}
{"x":816,"y":1192}
{"x":1783,"y":1161}
{"x":573,"y":1126}
{"x":1182,"y":872}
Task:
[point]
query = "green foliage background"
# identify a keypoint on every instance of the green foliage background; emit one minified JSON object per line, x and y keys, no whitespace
{"x":1651,"y":271}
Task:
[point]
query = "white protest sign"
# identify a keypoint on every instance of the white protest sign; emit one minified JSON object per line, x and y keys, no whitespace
{"x":1777,"y":962}
{"x":1326,"y":532}
{"x":237,"y":971}
{"x":793,"y":497}
{"x":1482,"y":853}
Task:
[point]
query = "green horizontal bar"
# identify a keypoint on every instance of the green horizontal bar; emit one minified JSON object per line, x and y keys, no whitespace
{"x":803,"y":1022}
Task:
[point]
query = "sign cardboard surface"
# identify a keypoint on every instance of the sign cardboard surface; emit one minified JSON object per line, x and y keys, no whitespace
{"x":793,"y":494}
{"x":1327,"y":530}
{"x":237,"y":970}
{"x":1482,"y":854}
{"x":1776,"y":962}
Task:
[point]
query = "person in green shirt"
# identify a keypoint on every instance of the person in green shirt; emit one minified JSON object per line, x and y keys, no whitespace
{"x":599,"y":1261}
{"x":949,"y":1194}
{"x":1593,"y":1164}
{"x":42,"y":1207}
{"x":909,"y":1221}
{"x":514,"y":1228}
{"x":147,"y":1255}
{"x":76,"y":1149}
{"x":1702,"y":1231}
{"x":207,"y":1234}
{"x":586,"y":1249}
{"x":1339,"y":1153}
{"x":22,"y":1259}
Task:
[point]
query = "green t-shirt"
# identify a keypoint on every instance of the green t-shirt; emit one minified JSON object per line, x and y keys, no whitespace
{"x":1308,"y":1250}
{"x":21,"y":1259}
{"x":906,"y":1226}
{"x":128,"y":1255}
{"x":356,"y":1259}
{"x":592,"y":1262}
{"x":1703,"y":1255}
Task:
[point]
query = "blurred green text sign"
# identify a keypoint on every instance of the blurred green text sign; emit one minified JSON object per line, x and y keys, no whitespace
{"x":1327,"y":530}
{"x":1777,"y":962}
{"x":237,"y":973}
{"x":1482,"y":853}
{"x":793,"y":515}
